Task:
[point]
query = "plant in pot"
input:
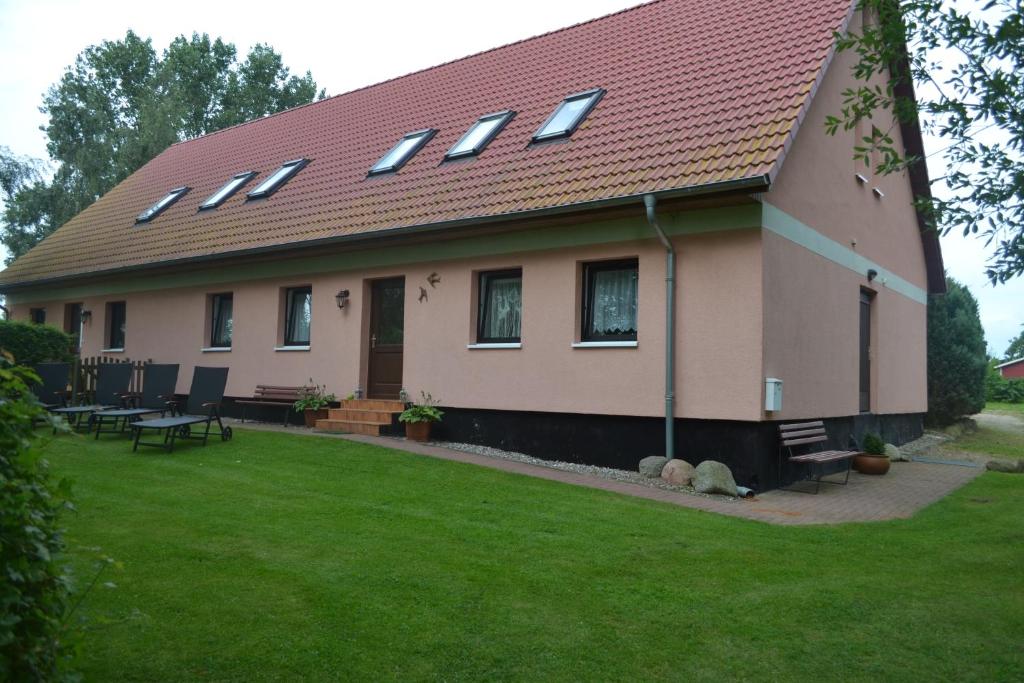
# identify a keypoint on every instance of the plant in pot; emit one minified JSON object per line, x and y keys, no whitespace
{"x":419,"y":416}
{"x":873,"y":460}
{"x":313,"y":402}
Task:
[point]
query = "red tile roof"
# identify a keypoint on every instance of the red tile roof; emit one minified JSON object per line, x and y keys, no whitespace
{"x":698,"y":92}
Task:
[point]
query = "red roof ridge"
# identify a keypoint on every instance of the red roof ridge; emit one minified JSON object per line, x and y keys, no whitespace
{"x":419,"y":71}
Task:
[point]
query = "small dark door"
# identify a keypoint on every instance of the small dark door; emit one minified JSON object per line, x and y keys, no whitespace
{"x":387,"y":324}
{"x":865,"y":352}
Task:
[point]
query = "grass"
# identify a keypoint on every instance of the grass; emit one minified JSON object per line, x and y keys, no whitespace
{"x":280,"y":556}
{"x":1011,"y":408}
{"x":992,"y":441}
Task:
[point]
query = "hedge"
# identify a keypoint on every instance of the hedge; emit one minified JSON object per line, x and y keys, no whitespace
{"x":31,"y":343}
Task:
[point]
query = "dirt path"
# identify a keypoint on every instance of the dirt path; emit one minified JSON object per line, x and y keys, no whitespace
{"x":1003,"y":422}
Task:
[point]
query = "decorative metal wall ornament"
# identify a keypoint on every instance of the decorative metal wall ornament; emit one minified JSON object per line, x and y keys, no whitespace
{"x":423,"y":294}
{"x":433,"y":279}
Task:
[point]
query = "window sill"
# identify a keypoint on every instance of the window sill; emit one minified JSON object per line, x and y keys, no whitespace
{"x":120,"y":350}
{"x":292,"y":348}
{"x":496,"y":345}
{"x":215,"y":349}
{"x":605,"y":345}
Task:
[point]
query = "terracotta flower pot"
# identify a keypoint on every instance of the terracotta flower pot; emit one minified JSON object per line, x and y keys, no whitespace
{"x":865,"y":463}
{"x":311,"y":416}
{"x":417,"y":431}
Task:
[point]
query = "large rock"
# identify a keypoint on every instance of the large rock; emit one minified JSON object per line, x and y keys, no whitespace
{"x":714,"y":477}
{"x":652,"y":465}
{"x":895,"y":454}
{"x":678,"y":472}
{"x":1011,"y":466}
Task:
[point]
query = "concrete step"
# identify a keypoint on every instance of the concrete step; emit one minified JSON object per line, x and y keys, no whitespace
{"x":349,"y":427}
{"x":373,"y":404}
{"x":378,"y":416}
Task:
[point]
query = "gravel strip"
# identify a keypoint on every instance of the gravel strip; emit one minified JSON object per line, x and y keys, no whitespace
{"x":603,"y":472}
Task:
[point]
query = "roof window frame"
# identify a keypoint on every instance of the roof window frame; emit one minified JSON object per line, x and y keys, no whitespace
{"x":164,"y":203}
{"x":505,"y":115}
{"x":424,"y":135}
{"x":245,"y":177}
{"x":296,"y":166}
{"x":594,"y":95}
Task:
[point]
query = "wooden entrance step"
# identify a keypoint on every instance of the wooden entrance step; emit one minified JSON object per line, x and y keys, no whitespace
{"x":361,"y":416}
{"x":388,"y":405}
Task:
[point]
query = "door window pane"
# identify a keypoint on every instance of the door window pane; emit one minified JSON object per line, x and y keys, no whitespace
{"x":390,"y":317}
{"x":501,"y":305}
{"x":611,"y":301}
{"x":298,"y":313}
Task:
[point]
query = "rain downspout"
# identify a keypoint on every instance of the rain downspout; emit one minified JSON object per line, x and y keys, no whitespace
{"x":670,"y":326}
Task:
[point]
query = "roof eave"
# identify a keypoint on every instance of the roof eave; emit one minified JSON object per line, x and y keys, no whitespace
{"x":756,"y":183}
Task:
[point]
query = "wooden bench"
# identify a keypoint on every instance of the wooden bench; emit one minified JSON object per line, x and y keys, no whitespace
{"x":796,"y":435}
{"x":274,"y":397}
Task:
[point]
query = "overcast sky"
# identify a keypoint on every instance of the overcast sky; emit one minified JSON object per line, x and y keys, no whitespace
{"x":346,"y":45}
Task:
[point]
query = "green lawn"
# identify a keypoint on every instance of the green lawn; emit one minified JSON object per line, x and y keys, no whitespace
{"x":280,"y":556}
{"x":1012,"y":408}
{"x":992,"y":442}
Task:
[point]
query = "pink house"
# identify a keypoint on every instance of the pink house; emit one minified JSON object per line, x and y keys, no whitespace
{"x":587,"y":244}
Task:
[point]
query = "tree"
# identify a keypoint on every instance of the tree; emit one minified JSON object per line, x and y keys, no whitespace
{"x":119,"y":105}
{"x":957,"y":358}
{"x":1016,"y":348}
{"x":968,"y":69}
{"x":35,"y":590}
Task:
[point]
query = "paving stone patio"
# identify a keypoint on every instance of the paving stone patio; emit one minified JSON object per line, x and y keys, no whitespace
{"x":908,"y":487}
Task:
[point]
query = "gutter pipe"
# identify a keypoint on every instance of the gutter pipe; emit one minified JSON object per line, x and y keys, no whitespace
{"x":650,"y":202}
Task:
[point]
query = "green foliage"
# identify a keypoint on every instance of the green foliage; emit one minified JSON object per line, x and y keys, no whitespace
{"x":1000,"y":389}
{"x":35,"y":588}
{"x":424,"y":411}
{"x":1016,"y":348}
{"x":873,"y":444}
{"x":119,"y":105}
{"x":957,"y":358}
{"x":30,"y":343}
{"x":313,"y":397}
{"x":968,"y":66}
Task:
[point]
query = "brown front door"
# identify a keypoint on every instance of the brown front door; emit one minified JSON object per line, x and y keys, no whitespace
{"x":387,"y":323}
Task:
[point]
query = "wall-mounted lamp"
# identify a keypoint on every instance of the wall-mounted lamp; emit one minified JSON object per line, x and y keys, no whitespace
{"x":86,"y":316}
{"x":341,"y":297}
{"x":872,"y":274}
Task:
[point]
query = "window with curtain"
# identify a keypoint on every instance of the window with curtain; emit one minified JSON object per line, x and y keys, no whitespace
{"x":222,"y":321}
{"x":610,"y":300}
{"x":298,"y":304}
{"x":116,"y":321}
{"x":501,"y":307}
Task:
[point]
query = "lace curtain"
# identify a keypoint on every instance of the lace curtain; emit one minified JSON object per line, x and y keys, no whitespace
{"x":613,"y":304}
{"x":502,"y":308}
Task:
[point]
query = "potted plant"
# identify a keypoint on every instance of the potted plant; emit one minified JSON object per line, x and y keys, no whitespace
{"x":419,"y":416}
{"x":873,"y":460}
{"x":313,"y":402}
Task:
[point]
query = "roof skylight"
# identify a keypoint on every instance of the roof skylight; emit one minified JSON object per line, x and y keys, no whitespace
{"x":277,"y":179}
{"x":479,"y":135}
{"x":230,"y":188}
{"x":568,"y":116}
{"x":158,"y":208}
{"x":402,"y":152}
